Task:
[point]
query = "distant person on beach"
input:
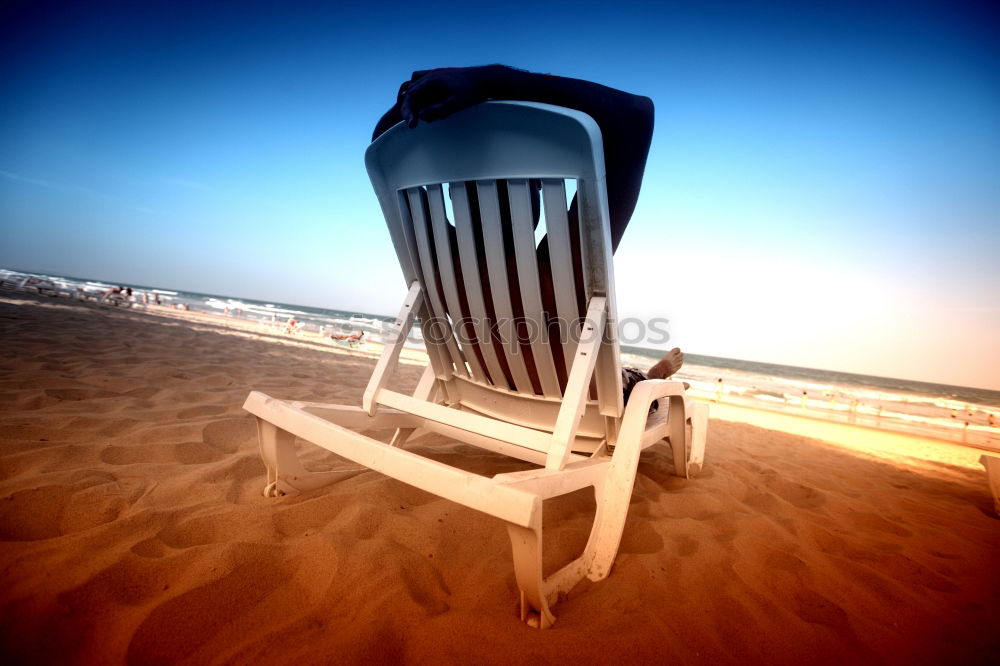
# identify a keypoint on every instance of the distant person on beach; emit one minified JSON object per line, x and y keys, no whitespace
{"x":626,"y":123}
{"x":347,"y":336}
{"x":115,"y":296}
{"x":352,"y":339}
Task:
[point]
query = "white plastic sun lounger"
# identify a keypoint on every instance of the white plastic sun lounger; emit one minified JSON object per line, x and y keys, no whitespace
{"x":476,"y":266}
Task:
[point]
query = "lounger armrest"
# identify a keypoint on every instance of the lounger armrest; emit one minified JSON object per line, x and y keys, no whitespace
{"x":637,"y":409}
{"x":650,"y":390}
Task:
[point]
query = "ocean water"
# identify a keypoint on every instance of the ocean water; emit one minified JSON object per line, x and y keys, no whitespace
{"x":248,"y":309}
{"x":955,"y":413}
{"x":958,"y":394}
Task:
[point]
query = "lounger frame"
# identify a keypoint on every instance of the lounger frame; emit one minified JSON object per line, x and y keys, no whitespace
{"x":570,"y":421}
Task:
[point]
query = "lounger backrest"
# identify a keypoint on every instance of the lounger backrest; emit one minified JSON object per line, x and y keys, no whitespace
{"x":478,"y":264}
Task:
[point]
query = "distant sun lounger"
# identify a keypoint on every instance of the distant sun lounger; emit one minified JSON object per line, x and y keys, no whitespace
{"x":992,"y":465}
{"x":42,"y":287}
{"x":558,"y":406}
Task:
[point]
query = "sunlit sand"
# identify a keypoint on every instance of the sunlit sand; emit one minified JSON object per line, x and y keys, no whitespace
{"x":133,"y":527}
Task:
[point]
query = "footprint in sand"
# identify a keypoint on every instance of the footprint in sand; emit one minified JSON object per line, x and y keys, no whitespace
{"x":10,"y":397}
{"x":242,"y":475}
{"x":127,"y":581}
{"x":817,"y":609}
{"x":685,"y":545}
{"x":117,"y":427}
{"x":196,"y":397}
{"x":79,"y":393}
{"x":874,"y":583}
{"x":424,"y":584}
{"x":639,"y":538}
{"x":228,"y":435}
{"x":86,"y":500}
{"x":724,"y":529}
{"x":31,"y":401}
{"x":144,"y":392}
{"x":216,"y":381}
{"x":32,"y":515}
{"x":257,"y":574}
{"x":797,"y":494}
{"x":246,"y":467}
{"x":185,"y":453}
{"x":902,"y":568}
{"x":763,"y":502}
{"x":205,"y":529}
{"x":150,"y":548}
{"x":201,"y":410}
{"x":365,"y":521}
{"x":830,"y":543}
{"x":781,"y":560}
{"x":872,"y":522}
{"x":306,"y":517}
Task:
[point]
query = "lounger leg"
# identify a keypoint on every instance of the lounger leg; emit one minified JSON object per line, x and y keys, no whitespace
{"x":681,"y":441}
{"x":699,"y":433}
{"x":688,"y":449}
{"x":613,"y":497}
{"x":615,"y":492}
{"x":285,"y":474}
{"x":526,"y":543}
{"x":276,"y":450}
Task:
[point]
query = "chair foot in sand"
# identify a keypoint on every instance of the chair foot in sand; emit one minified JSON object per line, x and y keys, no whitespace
{"x":285,"y":472}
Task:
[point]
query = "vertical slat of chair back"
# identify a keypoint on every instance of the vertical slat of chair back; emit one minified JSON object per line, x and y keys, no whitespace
{"x":592,"y":202}
{"x":498,"y":285}
{"x":440,"y":358}
{"x":482,"y":314}
{"x":487,"y":157}
{"x":439,"y":327}
{"x":561,"y":263}
{"x":533,"y":330}
{"x":460,"y":327}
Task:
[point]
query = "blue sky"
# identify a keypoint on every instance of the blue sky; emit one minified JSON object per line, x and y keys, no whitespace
{"x":823,"y":187}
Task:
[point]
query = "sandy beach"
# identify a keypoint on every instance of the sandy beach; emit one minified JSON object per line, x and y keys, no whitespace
{"x":133,"y":529}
